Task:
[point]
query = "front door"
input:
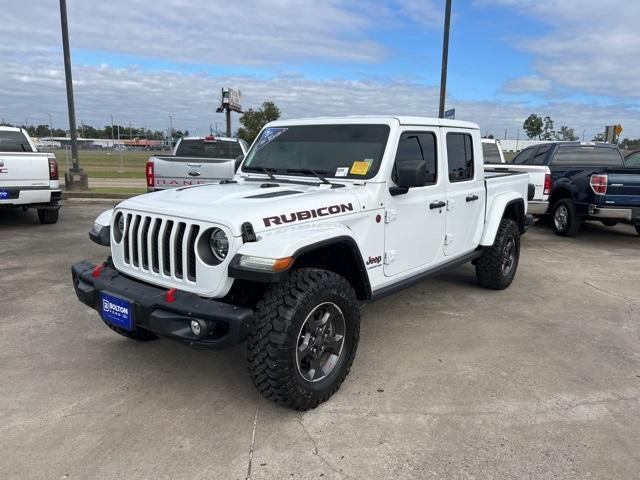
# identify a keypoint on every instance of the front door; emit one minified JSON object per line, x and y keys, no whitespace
{"x":465,"y":192}
{"x":415,"y":220}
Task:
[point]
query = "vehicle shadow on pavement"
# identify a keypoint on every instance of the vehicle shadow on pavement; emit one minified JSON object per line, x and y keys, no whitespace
{"x":590,"y":231}
{"x":16,"y":217}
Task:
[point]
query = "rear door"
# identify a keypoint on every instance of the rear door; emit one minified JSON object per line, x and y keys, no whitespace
{"x":414,"y":228}
{"x":466,"y":193}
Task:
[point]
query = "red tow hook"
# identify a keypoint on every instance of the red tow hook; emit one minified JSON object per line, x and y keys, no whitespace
{"x":97,"y":270}
{"x":170,"y":295}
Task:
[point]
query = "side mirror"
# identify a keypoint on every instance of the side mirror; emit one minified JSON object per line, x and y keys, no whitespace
{"x":239,"y":160}
{"x":410,"y":173}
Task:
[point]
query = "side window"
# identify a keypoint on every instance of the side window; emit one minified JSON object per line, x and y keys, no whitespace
{"x":460,"y":156}
{"x":541,"y":154}
{"x":418,"y":146}
{"x":524,"y":156}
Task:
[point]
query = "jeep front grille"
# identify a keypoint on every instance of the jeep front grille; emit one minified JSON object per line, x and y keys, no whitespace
{"x":161,"y":246}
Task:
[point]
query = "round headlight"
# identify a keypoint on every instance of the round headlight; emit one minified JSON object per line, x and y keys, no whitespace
{"x":219,"y":244}
{"x":118,"y":229}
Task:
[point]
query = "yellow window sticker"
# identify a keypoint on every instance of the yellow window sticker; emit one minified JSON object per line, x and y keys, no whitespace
{"x":360,"y":168}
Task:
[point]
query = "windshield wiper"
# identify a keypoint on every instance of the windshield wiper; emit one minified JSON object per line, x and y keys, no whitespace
{"x":317,"y":173}
{"x":265,"y":170}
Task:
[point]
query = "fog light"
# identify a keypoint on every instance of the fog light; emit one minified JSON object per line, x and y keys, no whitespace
{"x":196,"y":328}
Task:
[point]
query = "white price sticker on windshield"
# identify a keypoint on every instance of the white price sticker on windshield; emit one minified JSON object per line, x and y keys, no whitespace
{"x":342,"y":171}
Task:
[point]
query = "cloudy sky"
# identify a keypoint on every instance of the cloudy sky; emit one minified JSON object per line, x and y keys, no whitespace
{"x":142,"y":61}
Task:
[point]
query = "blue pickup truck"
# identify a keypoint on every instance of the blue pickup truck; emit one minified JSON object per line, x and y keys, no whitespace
{"x":578,"y":181}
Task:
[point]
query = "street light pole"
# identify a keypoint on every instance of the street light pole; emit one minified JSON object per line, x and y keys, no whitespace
{"x":445,"y":59}
{"x":67,"y":71}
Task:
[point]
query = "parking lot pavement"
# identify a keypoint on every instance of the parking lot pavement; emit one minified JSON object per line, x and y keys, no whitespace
{"x":450,"y":381}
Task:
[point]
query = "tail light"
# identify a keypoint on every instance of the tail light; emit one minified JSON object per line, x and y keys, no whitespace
{"x":599,"y":184}
{"x":53,"y":169}
{"x":547,"y":184}
{"x":150,"y":175}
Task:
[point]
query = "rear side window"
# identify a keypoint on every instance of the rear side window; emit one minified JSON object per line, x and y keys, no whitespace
{"x":524,"y":156}
{"x":418,"y":146}
{"x":14,"y":142}
{"x":587,"y":155}
{"x":491,"y":153}
{"x":460,"y":156}
{"x":541,"y":155}
{"x":209,"y":149}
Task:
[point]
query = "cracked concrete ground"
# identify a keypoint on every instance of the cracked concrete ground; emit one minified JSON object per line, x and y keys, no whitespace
{"x":450,"y":381}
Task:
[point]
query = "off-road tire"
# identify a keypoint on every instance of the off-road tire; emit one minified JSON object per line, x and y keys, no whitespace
{"x":490,"y":265}
{"x":48,"y":216}
{"x":573,"y":221}
{"x":609,"y":223}
{"x":138,"y":334}
{"x":273,"y":339}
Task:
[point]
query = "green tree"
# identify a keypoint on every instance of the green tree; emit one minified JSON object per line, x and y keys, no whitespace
{"x":630,"y":144}
{"x":566,"y":133}
{"x":533,"y":126}
{"x":253,"y":120}
{"x":547,"y":129}
{"x":599,"y":137}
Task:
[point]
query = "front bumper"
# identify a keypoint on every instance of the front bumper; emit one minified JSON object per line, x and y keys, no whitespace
{"x":628,"y":214}
{"x":225,"y":325}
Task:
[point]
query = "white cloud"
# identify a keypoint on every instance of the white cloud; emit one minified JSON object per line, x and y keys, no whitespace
{"x":250,"y":32}
{"x":528,"y":84}
{"x":147,"y":98}
{"x":591,"y":48}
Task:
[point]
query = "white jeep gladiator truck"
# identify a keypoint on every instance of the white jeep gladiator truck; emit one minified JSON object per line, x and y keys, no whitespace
{"x":323,"y":216}
{"x":28,"y":178}
{"x":195,"y":160}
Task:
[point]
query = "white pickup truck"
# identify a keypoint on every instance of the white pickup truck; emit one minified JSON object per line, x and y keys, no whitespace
{"x":195,"y":160}
{"x":324,"y":215}
{"x":28,"y":178}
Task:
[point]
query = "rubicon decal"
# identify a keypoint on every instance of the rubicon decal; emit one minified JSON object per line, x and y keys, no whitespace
{"x":307,"y":214}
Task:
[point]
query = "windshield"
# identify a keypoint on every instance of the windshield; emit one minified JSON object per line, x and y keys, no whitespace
{"x":349,"y":151}
{"x":208,"y":148}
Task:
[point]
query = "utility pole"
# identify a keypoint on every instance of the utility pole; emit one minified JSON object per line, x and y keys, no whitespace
{"x":445,"y":59}
{"x":50,"y":126}
{"x":171,"y":131}
{"x":75,"y":168}
{"x":111,"y":128}
{"x":120,"y":147}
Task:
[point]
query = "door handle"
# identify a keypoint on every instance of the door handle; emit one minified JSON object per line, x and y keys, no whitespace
{"x":472,"y":198}
{"x":194,"y":165}
{"x":439,"y":204}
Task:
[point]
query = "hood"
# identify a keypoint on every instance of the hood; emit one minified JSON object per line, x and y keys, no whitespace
{"x":265,"y":204}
